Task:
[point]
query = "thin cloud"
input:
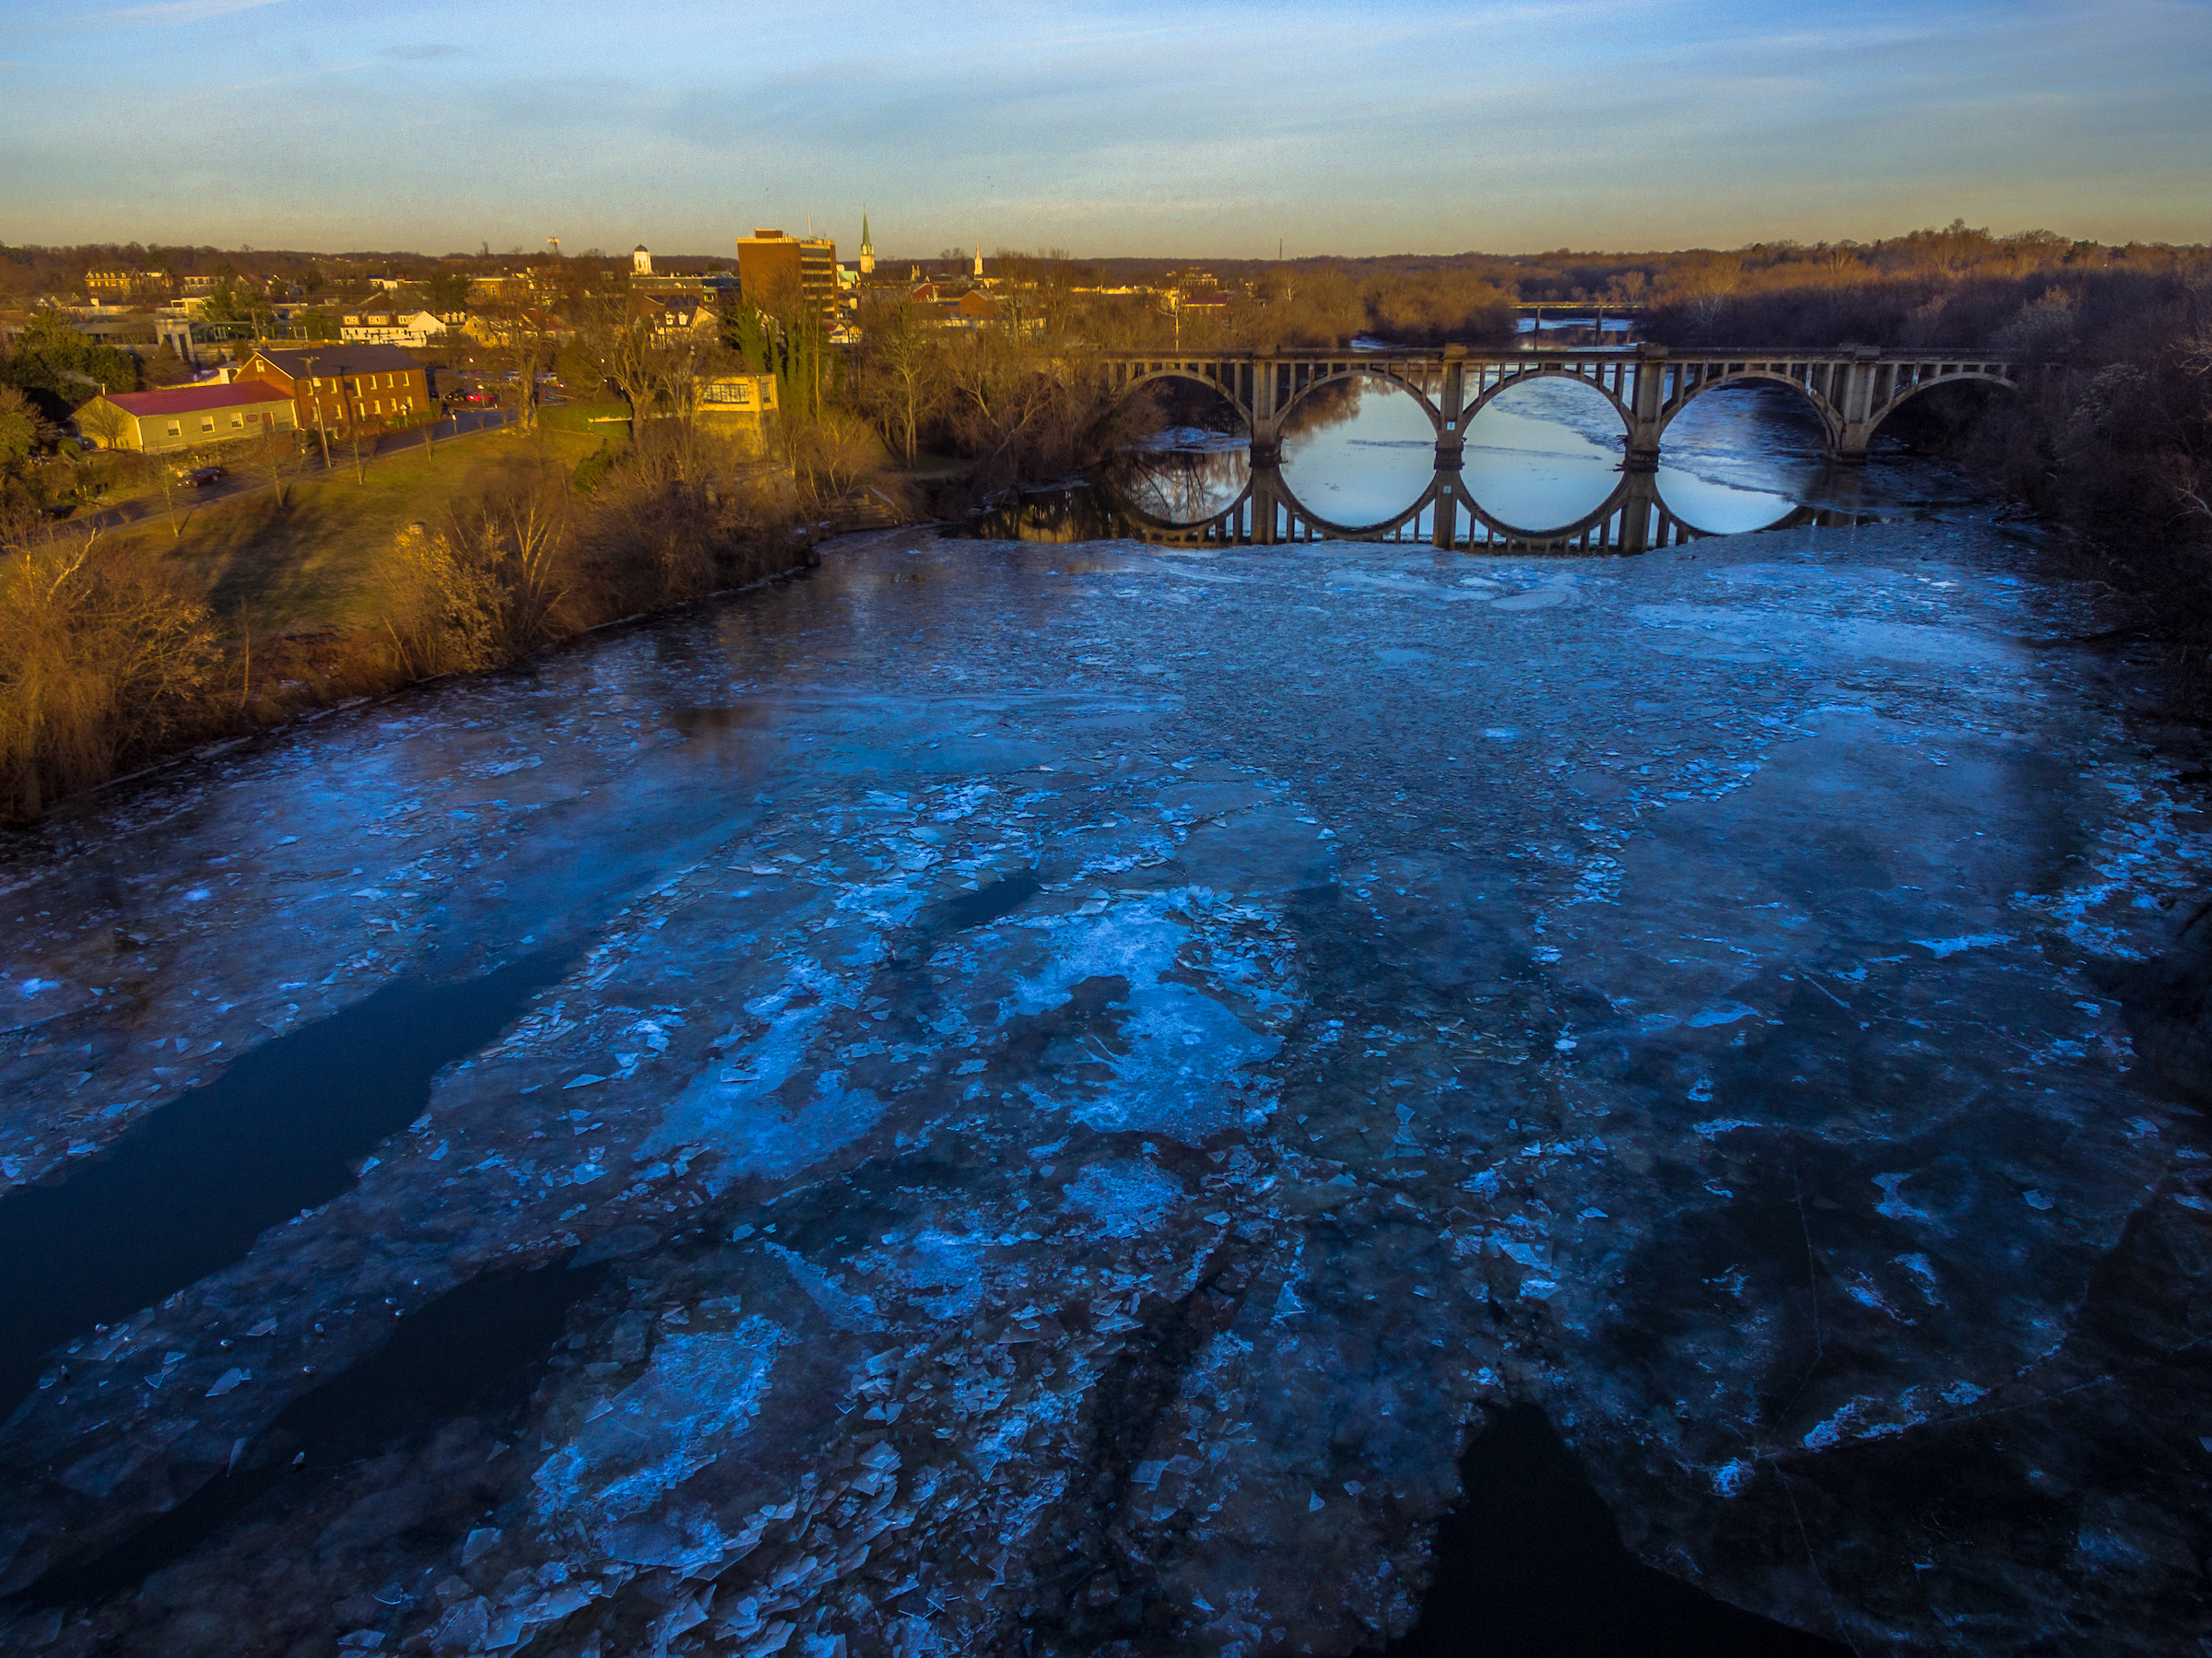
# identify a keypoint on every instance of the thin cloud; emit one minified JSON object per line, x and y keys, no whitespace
{"x":416,"y":54}
{"x":283,"y":80}
{"x":167,"y":12}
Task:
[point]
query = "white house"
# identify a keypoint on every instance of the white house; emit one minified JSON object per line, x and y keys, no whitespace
{"x":416,"y":329}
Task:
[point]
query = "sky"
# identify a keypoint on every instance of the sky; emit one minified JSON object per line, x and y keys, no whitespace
{"x":1190,"y":129}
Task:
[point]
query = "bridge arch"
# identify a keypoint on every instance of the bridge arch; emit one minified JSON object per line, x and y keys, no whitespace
{"x":1831,"y":417}
{"x":1975,"y":374}
{"x":1183,"y":371}
{"x":1548,"y":371}
{"x":1360,"y":370}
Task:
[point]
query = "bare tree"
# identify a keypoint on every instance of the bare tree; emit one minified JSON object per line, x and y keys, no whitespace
{"x":829,"y":453}
{"x":528,"y":338}
{"x":104,"y":423}
{"x":22,"y":520}
{"x":276,"y":458}
{"x":902,"y":363}
{"x":167,"y":481}
{"x":353,"y":439}
{"x":101,"y":656}
{"x":1702,"y":284}
{"x":482,"y":588}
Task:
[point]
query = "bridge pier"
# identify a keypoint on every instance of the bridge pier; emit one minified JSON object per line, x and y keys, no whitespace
{"x":1451,"y":409}
{"x":1266,"y":415}
{"x":1636,"y":509}
{"x":1445,"y":530}
{"x":1853,"y":393}
{"x":1647,"y":407}
{"x":1266,"y":497}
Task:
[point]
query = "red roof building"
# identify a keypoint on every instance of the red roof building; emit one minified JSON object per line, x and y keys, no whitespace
{"x":186,"y":416}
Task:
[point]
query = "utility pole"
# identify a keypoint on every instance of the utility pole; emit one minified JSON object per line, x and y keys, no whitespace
{"x":353,"y":424}
{"x":314,"y":390}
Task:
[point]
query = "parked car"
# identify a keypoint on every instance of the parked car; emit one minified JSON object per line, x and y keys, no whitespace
{"x":199,"y":477}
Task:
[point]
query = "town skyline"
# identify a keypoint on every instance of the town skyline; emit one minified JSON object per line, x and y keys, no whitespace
{"x":1623,"y":125}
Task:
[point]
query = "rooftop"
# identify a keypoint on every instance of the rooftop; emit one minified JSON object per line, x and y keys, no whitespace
{"x":185,"y":400}
{"x":333,"y":360}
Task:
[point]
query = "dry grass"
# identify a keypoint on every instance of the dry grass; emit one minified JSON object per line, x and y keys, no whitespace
{"x":117,"y":647}
{"x":312,"y":562}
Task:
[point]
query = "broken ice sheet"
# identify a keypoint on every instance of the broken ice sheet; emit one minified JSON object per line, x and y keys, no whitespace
{"x":1119,"y":1169}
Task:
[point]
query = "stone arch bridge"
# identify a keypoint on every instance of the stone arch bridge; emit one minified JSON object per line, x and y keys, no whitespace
{"x":1851,"y":389}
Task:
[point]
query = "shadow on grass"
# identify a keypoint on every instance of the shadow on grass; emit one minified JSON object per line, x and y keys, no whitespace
{"x":313,"y":560}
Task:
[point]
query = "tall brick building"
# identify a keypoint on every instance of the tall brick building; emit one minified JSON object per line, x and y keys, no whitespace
{"x":772,"y":266}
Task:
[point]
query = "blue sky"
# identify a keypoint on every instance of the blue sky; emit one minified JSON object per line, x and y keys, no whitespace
{"x":1186,"y":129}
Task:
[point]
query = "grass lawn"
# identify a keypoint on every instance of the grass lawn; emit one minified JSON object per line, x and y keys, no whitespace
{"x":310,"y":561}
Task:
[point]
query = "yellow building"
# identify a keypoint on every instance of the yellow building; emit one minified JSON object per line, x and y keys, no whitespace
{"x":739,"y":405}
{"x":186,"y":416}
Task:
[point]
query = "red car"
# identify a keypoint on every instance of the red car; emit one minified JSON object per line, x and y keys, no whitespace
{"x":200,"y":478}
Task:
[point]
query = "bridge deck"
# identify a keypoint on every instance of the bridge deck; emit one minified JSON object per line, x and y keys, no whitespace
{"x":1851,"y":389}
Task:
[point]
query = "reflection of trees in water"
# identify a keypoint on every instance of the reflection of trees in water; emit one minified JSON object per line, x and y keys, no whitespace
{"x":1179,"y":486}
{"x":1187,"y":403}
{"x":1335,"y":402}
{"x":1089,"y":513}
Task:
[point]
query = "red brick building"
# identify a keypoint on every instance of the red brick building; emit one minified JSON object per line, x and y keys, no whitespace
{"x":337,"y":385}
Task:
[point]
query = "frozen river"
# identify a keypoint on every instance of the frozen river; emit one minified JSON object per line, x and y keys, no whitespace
{"x":997,"y":1098}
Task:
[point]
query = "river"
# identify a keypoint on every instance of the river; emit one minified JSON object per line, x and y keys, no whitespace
{"x":998,"y":1096}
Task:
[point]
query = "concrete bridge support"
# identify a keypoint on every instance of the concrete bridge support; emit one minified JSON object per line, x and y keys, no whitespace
{"x":1451,"y":443}
{"x":1647,"y":408}
{"x":1266,"y":496}
{"x":1266,"y":415}
{"x":1452,"y":410}
{"x":1855,"y":396}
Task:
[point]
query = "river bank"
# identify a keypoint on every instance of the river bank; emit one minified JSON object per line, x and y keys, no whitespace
{"x":124,"y":650}
{"x":1046,"y":1089}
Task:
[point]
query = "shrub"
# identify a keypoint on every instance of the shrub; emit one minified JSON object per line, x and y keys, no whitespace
{"x":103,"y":659}
{"x":593,"y":469}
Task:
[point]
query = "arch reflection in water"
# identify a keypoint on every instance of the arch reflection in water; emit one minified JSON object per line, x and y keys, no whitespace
{"x":1355,"y":449}
{"x":1191,"y":479}
{"x":1540,"y":470}
{"x":1634,"y":518}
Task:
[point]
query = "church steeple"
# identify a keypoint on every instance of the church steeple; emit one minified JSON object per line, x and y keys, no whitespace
{"x":867,"y":247}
